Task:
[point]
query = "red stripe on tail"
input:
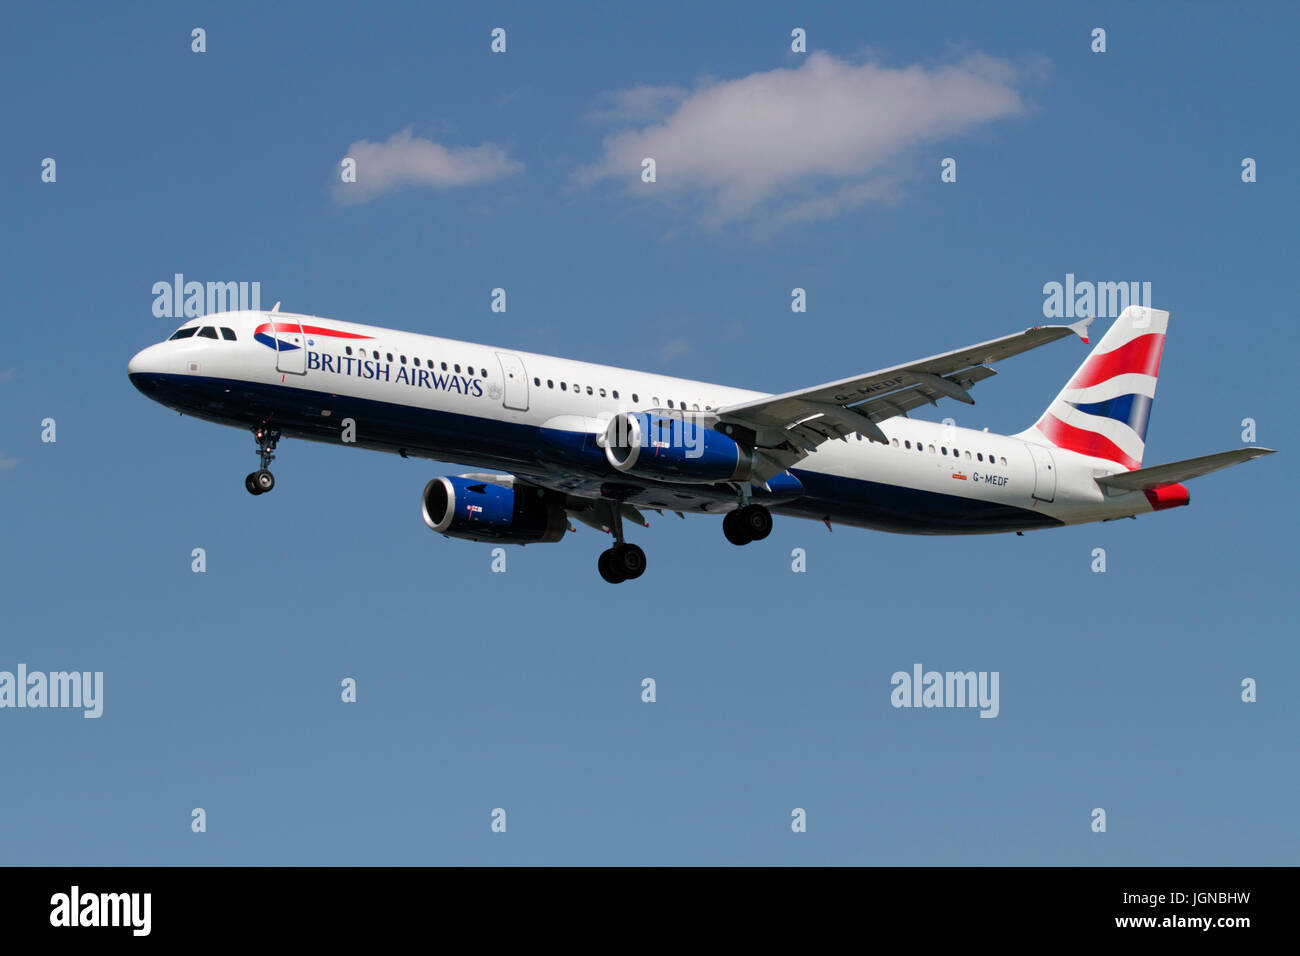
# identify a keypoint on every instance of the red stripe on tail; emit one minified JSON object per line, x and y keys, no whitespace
{"x":1084,"y":442}
{"x":1141,"y":356}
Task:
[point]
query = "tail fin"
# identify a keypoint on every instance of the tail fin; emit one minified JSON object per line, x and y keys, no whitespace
{"x":1104,"y":408}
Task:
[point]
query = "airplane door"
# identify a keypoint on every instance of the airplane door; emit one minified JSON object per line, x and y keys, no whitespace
{"x":1044,"y":472}
{"x":516,"y":379}
{"x":290,"y":347}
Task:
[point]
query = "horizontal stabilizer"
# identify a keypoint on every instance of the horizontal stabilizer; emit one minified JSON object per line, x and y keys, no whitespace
{"x":1154,"y":477}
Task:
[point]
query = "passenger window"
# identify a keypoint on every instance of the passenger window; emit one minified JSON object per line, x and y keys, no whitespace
{"x":907,"y":444}
{"x":588,"y":389}
{"x":550,"y":383}
{"x":416,"y":360}
{"x":979,"y":455}
{"x":894,"y":443}
{"x":670,"y":403}
{"x":228,"y":334}
{"x":537,"y":382}
{"x":208,"y":332}
{"x":634,"y":398}
{"x":602,"y":393}
{"x":931,"y":449}
{"x":444,"y":366}
{"x":183,"y":333}
{"x":390,"y":356}
{"x":944,"y":449}
{"x":968,"y":456}
{"x":482,"y":373}
{"x":564,"y":387}
{"x":376,"y":355}
{"x":403,"y":358}
{"x":457,"y":369}
{"x":1004,"y":461}
{"x":616,"y":393}
{"x":347,"y":349}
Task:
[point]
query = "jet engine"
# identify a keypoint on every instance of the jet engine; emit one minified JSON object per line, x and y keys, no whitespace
{"x":674,"y":449}
{"x":478,"y":510}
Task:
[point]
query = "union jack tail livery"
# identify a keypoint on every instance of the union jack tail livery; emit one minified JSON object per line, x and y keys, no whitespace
{"x":1103,"y":411}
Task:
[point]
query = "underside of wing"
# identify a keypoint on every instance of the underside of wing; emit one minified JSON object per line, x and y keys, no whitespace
{"x":787,"y":427}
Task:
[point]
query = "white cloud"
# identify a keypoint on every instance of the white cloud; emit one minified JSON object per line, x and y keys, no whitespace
{"x":828,"y":133}
{"x":674,"y":348}
{"x":640,"y":104}
{"x":409,"y":160}
{"x":7,"y":463}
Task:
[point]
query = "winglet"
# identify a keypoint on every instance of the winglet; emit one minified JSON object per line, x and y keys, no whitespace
{"x":1080,"y":328}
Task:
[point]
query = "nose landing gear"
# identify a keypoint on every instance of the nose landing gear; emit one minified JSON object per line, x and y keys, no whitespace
{"x":261,"y":481}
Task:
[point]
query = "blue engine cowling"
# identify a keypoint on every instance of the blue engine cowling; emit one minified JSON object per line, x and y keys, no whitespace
{"x":474,"y":510}
{"x":672,"y":449}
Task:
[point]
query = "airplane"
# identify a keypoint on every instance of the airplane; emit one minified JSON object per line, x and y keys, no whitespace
{"x":560,"y":439}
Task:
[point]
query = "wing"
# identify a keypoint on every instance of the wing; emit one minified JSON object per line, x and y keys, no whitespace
{"x":1157,"y":475}
{"x":787,"y":427}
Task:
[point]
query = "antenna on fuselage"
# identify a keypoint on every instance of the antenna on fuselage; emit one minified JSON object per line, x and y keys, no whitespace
{"x":276,"y":307}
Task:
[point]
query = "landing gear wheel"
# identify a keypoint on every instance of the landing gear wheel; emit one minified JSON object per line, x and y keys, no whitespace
{"x":757,"y":521}
{"x":750,"y":523}
{"x":734,"y":528}
{"x":262,"y":481}
{"x":629,"y":560}
{"x":608,"y":567}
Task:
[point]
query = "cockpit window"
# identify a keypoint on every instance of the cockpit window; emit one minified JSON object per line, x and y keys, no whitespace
{"x":184,"y":333}
{"x":228,"y":334}
{"x":208,"y":332}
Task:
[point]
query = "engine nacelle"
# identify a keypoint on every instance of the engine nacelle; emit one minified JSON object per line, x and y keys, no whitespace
{"x":672,"y":449}
{"x":476,"y":510}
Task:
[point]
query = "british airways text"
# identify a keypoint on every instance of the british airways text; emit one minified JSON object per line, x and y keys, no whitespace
{"x":383,"y":371}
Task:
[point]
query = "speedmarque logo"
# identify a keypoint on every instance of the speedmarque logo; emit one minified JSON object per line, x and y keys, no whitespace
{"x":102,"y":909}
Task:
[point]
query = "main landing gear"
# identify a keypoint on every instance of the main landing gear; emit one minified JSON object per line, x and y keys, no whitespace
{"x":624,"y":561}
{"x":747,"y":523}
{"x":261,"y":481}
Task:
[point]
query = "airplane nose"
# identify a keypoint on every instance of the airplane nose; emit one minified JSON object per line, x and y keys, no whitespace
{"x":145,"y":367}
{"x":144,"y":362}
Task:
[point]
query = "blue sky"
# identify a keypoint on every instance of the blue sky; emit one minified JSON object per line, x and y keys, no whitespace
{"x":522,"y":690}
